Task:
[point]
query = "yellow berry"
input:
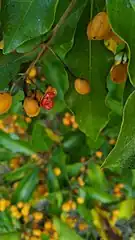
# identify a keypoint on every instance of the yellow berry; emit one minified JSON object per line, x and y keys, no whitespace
{"x":82,"y":86}
{"x":75,"y":125}
{"x":67,"y":115}
{"x":28,"y":120}
{"x":32,"y":73}
{"x":5,"y":102}
{"x":25,"y":210}
{"x":2,"y":204}
{"x":20,"y":204}
{"x":66,"y":121}
{"x":99,"y":27}
{"x":80,"y":200}
{"x":72,"y":119}
{"x":119,"y":73}
{"x":112,"y":141}
{"x":83,"y":226}
{"x":73,"y":205}
{"x":33,"y":238}
{"x":80,"y":181}
{"x":99,"y":154}
{"x":57,"y":171}
{"x":1,"y":44}
{"x":48,"y":225}
{"x":31,"y":107}
{"x":66,"y":207}
{"x":36,"y":232}
{"x":38,"y":216}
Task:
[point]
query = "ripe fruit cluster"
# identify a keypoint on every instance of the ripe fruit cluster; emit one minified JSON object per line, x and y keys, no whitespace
{"x":69,"y":120}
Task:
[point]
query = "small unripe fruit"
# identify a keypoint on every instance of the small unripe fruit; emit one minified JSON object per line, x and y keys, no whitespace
{"x":80,"y":200}
{"x":98,"y":27}
{"x":5,"y":102}
{"x":57,"y":171}
{"x":32,"y":73}
{"x":119,"y":73}
{"x":31,"y":107}
{"x":82,"y":86}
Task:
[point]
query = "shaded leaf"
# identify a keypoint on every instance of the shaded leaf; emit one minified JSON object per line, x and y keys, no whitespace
{"x":123,"y":154}
{"x":26,"y":186}
{"x":40,"y":139}
{"x":11,"y":236}
{"x":55,"y":74}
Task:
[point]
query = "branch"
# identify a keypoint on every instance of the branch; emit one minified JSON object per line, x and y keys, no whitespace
{"x":54,"y":32}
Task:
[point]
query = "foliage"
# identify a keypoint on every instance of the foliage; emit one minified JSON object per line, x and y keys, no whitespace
{"x":67,"y":78}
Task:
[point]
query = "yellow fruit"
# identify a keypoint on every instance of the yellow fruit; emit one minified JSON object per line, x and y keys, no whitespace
{"x":5,"y":102}
{"x":31,"y":107}
{"x":82,"y":86}
{"x":99,"y":27}
{"x":66,"y":121}
{"x":37,"y":232}
{"x":57,"y":171}
{"x":80,"y":200}
{"x":48,"y":225}
{"x":38,"y":216}
{"x":2,"y":205}
{"x":32,"y":73}
{"x":20,"y":205}
{"x":80,"y":181}
{"x":66,"y":207}
{"x":25,"y":210}
{"x":119,"y":73}
{"x":1,"y":44}
{"x":75,"y":125}
{"x":99,"y":154}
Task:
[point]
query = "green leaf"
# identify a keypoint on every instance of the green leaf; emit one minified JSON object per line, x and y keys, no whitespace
{"x":10,"y":66}
{"x":7,"y":223}
{"x":24,"y":20}
{"x":114,"y":98}
{"x":11,"y":236}
{"x":64,"y":39}
{"x":40,"y":140}
{"x":17,"y":103}
{"x":55,"y":74}
{"x":92,"y":61}
{"x":100,"y":195}
{"x":118,"y":11}
{"x":122,"y":156}
{"x":133,"y":3}
{"x":26,"y":186}
{"x":15,"y":145}
{"x":126,"y":209}
{"x":5,"y":155}
{"x":65,"y":233}
{"x":97,"y":177}
{"x":74,"y":169}
{"x":18,"y":173}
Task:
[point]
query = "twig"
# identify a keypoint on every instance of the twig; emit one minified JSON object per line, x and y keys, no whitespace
{"x":54,"y":32}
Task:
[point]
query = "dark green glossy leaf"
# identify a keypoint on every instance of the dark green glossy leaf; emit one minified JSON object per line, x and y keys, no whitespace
{"x":15,"y":145}
{"x":123,"y":27}
{"x":92,"y":61}
{"x":74,"y":169}
{"x":123,"y":154}
{"x":40,"y":140}
{"x":100,"y":195}
{"x":18,"y":173}
{"x":64,"y":39}
{"x":24,"y":20}
{"x":55,"y":74}
{"x":26,"y":186}
{"x":73,"y":140}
